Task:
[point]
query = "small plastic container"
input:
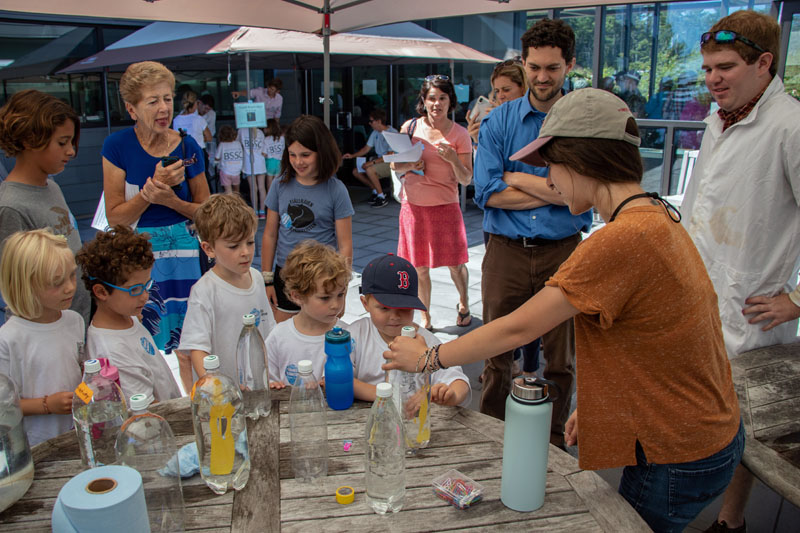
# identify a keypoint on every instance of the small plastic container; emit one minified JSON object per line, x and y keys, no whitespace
{"x":457,"y":489}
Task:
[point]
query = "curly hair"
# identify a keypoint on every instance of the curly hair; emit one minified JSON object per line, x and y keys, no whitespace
{"x":225,"y":216}
{"x":29,"y":120}
{"x":759,"y":28}
{"x":436,"y":82}
{"x":314,"y":135}
{"x":113,"y":256}
{"x":548,"y":32}
{"x":310,"y":262}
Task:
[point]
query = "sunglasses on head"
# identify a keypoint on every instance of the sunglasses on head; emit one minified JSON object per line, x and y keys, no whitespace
{"x":437,"y":77}
{"x":728,"y":37}
{"x":508,"y":62}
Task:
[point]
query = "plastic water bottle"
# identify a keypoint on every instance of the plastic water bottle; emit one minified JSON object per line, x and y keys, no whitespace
{"x":220,"y":429}
{"x":251,"y":363}
{"x":98,"y":410}
{"x":338,"y":369}
{"x":146,"y":443}
{"x":16,"y":463}
{"x":385,"y":457}
{"x":412,"y":396}
{"x":308,"y":426}
{"x":526,"y":442}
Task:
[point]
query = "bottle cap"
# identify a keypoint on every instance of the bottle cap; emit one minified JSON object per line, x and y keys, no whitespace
{"x":305,"y":366}
{"x":408,"y":331}
{"x":529,"y":389}
{"x":249,"y":320}
{"x":345,"y":495}
{"x":383,"y":390}
{"x":337,"y":336}
{"x":210,"y":362}
{"x":140,"y":402}
{"x":92,"y":365}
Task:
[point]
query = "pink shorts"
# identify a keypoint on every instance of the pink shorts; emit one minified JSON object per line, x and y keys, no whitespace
{"x":229,"y":179}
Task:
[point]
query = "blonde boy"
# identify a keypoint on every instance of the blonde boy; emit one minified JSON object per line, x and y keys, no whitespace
{"x":389,"y":294}
{"x":315,"y":276}
{"x":227,"y":229}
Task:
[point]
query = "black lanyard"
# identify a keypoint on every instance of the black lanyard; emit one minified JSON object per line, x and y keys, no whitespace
{"x":672,"y":211}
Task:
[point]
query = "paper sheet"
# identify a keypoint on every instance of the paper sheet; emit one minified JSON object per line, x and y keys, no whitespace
{"x":100,"y":221}
{"x":360,"y":163}
{"x":404,"y":151}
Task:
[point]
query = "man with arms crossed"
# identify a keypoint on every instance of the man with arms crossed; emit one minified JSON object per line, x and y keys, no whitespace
{"x":742,"y":205}
{"x":531,"y":230}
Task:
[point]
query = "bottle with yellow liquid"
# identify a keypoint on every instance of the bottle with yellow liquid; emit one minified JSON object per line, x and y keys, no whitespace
{"x":220,"y":430}
{"x":412,"y":395}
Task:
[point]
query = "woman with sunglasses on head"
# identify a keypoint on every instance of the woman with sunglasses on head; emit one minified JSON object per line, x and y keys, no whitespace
{"x":509,"y":82}
{"x":432,"y":232}
{"x":655,"y":393}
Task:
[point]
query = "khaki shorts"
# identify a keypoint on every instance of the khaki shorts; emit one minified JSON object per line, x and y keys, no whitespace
{"x":382,"y":170}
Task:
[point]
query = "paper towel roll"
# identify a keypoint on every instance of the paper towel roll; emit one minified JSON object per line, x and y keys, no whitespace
{"x":102,"y":499}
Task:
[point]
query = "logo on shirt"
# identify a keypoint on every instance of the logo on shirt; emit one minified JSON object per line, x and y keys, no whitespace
{"x":299,"y":216}
{"x":147,"y":345}
{"x":256,"y":313}
{"x":291,"y":373}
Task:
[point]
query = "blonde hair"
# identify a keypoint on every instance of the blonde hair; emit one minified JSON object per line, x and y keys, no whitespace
{"x":310,"y":262}
{"x":32,"y":261}
{"x":225,"y":216}
{"x":140,"y":75}
{"x":189,"y":100}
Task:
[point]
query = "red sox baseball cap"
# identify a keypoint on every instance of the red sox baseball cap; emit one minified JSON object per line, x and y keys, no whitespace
{"x":392,"y":281}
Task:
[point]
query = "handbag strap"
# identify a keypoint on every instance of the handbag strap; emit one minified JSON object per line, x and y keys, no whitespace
{"x":411,"y":128}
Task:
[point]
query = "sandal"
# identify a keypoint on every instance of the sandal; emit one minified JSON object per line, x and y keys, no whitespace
{"x":463,"y":316}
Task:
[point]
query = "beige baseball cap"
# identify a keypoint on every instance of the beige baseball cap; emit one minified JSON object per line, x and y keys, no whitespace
{"x":585,"y":113}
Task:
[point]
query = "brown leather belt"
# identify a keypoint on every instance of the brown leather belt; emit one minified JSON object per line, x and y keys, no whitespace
{"x":534,"y":242}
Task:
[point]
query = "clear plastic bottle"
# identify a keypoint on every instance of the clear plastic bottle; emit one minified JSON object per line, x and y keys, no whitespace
{"x":385,"y":458}
{"x":412,"y":395}
{"x":308,"y":426}
{"x":98,"y":410}
{"x":146,"y":443}
{"x":16,"y":462}
{"x":220,"y":430}
{"x":252,"y":365}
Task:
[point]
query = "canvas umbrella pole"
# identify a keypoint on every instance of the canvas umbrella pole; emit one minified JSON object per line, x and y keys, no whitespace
{"x":252,"y":181}
{"x":326,"y":63}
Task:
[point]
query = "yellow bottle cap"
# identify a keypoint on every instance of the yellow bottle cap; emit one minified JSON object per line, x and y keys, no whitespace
{"x":345,"y":495}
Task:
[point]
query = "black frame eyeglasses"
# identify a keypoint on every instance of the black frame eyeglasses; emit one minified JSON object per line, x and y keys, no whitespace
{"x":437,"y":77}
{"x":728,"y":37}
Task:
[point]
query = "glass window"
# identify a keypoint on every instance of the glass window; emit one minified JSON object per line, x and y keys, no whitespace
{"x":684,"y":140}
{"x":652,"y":152}
{"x":791,"y":77}
{"x":581,"y":20}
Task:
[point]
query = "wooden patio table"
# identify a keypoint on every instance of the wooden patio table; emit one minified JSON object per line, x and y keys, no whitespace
{"x":767,"y":382}
{"x":469,"y":441}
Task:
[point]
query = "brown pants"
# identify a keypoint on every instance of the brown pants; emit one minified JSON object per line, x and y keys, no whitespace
{"x":512,"y":274}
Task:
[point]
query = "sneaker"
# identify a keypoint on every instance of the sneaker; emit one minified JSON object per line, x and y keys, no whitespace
{"x":722,"y":527}
{"x":372,"y":198}
{"x":380,"y":201}
{"x":261,"y":215}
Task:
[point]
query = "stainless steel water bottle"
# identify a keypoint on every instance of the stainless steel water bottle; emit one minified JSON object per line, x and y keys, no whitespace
{"x":526,"y":441}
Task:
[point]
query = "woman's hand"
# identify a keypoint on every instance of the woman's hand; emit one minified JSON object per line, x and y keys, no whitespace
{"x":447,"y":153}
{"x":402,"y":168}
{"x":571,"y":429}
{"x":171,"y":175}
{"x":473,"y":127}
{"x":404,"y":353}
{"x":156,"y":192}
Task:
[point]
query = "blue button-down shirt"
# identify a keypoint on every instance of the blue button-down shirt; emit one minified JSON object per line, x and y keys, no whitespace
{"x":504,"y":131}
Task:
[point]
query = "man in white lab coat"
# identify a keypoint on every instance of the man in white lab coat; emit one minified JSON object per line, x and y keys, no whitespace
{"x":742,"y":205}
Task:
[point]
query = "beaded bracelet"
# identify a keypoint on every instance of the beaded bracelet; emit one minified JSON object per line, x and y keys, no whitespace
{"x":44,"y":404}
{"x":416,"y":368}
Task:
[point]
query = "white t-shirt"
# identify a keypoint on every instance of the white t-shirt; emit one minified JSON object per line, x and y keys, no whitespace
{"x":286,"y":347}
{"x":210,"y":117}
{"x":194,"y":125}
{"x":273,"y":148}
{"x":42,"y":359}
{"x":230,"y":156}
{"x":213,"y":319}
{"x":259,"y":165}
{"x":272,"y":106}
{"x":142,"y":368}
{"x":367,"y":356}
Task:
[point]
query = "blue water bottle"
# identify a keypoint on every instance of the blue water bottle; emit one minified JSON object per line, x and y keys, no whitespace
{"x":338,"y":369}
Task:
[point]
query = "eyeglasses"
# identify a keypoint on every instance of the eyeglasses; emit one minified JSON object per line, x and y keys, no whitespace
{"x":508,"y":62}
{"x":133,"y":290}
{"x":437,"y":77}
{"x":728,"y":37}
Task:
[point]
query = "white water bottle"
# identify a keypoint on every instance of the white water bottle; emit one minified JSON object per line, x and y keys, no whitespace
{"x":385,"y":454}
{"x":251,"y":365}
{"x":308,"y":425}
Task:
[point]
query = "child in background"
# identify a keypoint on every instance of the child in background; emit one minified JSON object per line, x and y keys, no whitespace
{"x":258,"y":191}
{"x":229,"y":158}
{"x":116,"y":270}
{"x":42,"y":133}
{"x":315,"y":278}
{"x":274,"y":147}
{"x":42,"y":344}
{"x":308,"y":202}
{"x":389,"y":294}
{"x":231,"y":289}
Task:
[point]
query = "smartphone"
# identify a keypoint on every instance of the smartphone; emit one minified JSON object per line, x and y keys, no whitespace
{"x":482,"y":106}
{"x":169,"y":160}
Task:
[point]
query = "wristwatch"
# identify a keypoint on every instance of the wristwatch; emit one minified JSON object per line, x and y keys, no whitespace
{"x":269,"y":278}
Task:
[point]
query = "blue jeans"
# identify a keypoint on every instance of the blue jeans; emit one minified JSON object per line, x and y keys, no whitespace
{"x":670,"y":496}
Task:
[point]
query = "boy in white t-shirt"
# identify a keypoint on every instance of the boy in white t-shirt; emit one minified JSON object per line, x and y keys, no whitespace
{"x":315,"y":276}
{"x":231,"y":289}
{"x":116,"y":268}
{"x":389,"y":294}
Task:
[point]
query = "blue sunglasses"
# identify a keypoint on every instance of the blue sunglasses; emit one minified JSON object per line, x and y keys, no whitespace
{"x":133,"y":290}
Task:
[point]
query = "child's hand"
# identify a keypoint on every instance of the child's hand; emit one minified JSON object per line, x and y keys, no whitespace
{"x":571,"y":429}
{"x":277,"y":385}
{"x":442,"y":394}
{"x":272,"y":297}
{"x":60,"y":403}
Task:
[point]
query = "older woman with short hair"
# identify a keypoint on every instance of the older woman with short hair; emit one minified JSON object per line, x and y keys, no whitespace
{"x":145,"y":190}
